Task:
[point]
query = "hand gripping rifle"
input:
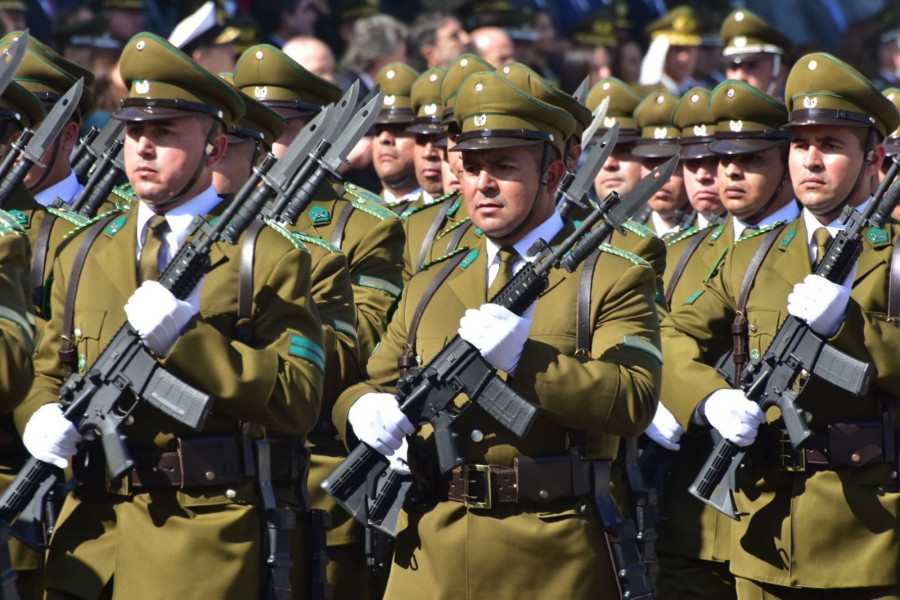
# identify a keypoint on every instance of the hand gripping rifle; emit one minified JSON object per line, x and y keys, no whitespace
{"x":426,"y":395}
{"x":796,"y":354}
{"x":28,"y":149}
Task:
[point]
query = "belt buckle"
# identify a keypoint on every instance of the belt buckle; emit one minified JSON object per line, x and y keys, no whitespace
{"x":793,"y":461}
{"x":470,"y":501}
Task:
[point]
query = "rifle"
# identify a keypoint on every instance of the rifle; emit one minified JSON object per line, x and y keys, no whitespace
{"x":101,"y":181}
{"x":92,"y":146}
{"x":796,"y":354}
{"x":28,"y":149}
{"x":426,"y":395}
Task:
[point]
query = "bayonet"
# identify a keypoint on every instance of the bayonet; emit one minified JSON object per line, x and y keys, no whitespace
{"x":11,"y":59}
{"x":573,"y":187}
{"x":597,"y":120}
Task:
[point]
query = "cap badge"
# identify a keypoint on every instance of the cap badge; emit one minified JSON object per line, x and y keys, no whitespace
{"x":810,"y":102}
{"x":479,"y":86}
{"x":609,"y":121}
{"x":390,"y":74}
{"x":606,"y":86}
{"x":260,"y":93}
{"x":695,"y":98}
{"x":259,"y":55}
{"x":660,"y":99}
{"x":433,"y":77}
{"x":730,"y":93}
{"x":140,"y":45}
{"x":142,"y":87}
{"x":464,"y":63}
{"x":740,"y":41}
{"x":390,"y":100}
{"x":480,"y":120}
{"x":812,"y":65}
{"x":660,"y":133}
{"x":699,"y":129}
{"x":430,"y":109}
{"x":736,"y":125}
{"x":739,"y":16}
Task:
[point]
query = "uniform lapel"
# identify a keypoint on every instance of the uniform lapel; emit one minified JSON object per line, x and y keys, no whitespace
{"x":793,"y":262}
{"x":876,"y":251}
{"x":119,"y":256}
{"x":556,"y":275}
{"x":469,"y":282}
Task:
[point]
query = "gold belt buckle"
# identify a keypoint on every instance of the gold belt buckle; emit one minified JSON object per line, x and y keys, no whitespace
{"x":793,"y":461}
{"x":470,"y":501}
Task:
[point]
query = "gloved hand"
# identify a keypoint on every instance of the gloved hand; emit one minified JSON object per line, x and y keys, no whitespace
{"x":158,"y":316}
{"x":378,"y":422}
{"x":665,"y":430}
{"x":733,"y":416}
{"x":819,"y":302}
{"x":498,"y":333}
{"x":50,"y":437}
{"x":398,"y":460}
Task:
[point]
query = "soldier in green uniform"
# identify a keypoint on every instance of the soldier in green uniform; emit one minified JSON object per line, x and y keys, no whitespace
{"x":371,"y":239}
{"x":754,"y":183}
{"x":821,"y":522}
{"x":622,"y":170}
{"x":755,"y":52}
{"x":192,"y":497}
{"x":525,"y":543}
{"x":891,"y":142}
{"x":430,"y":137}
{"x":669,"y":209}
{"x":694,"y":119}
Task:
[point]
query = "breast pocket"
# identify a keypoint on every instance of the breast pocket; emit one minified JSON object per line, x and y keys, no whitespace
{"x":89,"y":326}
{"x":761,"y":328}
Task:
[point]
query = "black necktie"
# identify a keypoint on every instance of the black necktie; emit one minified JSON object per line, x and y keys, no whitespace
{"x":148,"y":266}
{"x":507,"y":256}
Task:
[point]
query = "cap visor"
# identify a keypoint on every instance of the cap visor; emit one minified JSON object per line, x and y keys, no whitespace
{"x":154,"y":113}
{"x":701,"y":150}
{"x":652,"y":150}
{"x":492,"y":143}
{"x":743,"y":145}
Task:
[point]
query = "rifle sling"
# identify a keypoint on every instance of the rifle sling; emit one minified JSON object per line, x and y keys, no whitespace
{"x":433,"y":229}
{"x":893,"y":307}
{"x":340,"y":225}
{"x":457,"y":236}
{"x":39,"y":262}
{"x":243,"y":329}
{"x":683,"y":262}
{"x":68,"y":355}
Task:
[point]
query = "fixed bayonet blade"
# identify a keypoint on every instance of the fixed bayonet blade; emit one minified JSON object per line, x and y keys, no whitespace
{"x":53,"y":123}
{"x":280,"y":174}
{"x":113,"y":129}
{"x":596,"y":121}
{"x":584,"y":178}
{"x":11,"y":59}
{"x":581,"y":92}
{"x":363,"y":119}
{"x":644,"y":190}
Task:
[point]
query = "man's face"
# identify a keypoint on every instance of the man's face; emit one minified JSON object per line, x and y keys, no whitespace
{"x":220,"y":58}
{"x":56,"y":159}
{"x":301,"y":21}
{"x":428,"y":161}
{"x":501,"y":188}
{"x":680,"y":61}
{"x":672,"y":196}
{"x":748,"y":181}
{"x":292,"y":130}
{"x":392,"y":153}
{"x":233,"y":171}
{"x":755,"y":71}
{"x":825,"y":163}
{"x":161,"y":158}
{"x":700,"y":185}
{"x":620,"y":172}
{"x":451,"y":166}
{"x":450,"y":41}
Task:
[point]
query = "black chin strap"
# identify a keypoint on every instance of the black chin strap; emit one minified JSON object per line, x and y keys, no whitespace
{"x":546,"y":161}
{"x":762,"y":211}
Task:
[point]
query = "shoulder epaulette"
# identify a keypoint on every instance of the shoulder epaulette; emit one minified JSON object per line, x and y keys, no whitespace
{"x":116,"y":225}
{"x":125,"y":192}
{"x":319,"y":215}
{"x":68,"y":215}
{"x":452,"y":227}
{"x":689,"y":233}
{"x":755,"y":232}
{"x":878,"y":236}
{"x":604,"y":247}
{"x":292,"y":237}
{"x":96,"y":218}
{"x":638,"y":228}
{"x":20,"y":217}
{"x":717,"y":264}
{"x":317,"y":241}
{"x":367,"y":201}
{"x":9,"y":224}
{"x":718,"y":232}
{"x":444,"y":258}
{"x":439,"y":200}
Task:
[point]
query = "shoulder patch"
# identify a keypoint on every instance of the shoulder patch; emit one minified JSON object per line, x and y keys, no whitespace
{"x":68,"y":215}
{"x":638,"y":228}
{"x":368,"y":201}
{"x":717,"y":233}
{"x":716,"y":265}
{"x":20,"y":217}
{"x":91,"y":221}
{"x":9,"y":224}
{"x":643,"y":344}
{"x":452,"y":227}
{"x":319,"y":215}
{"x":877,"y":236}
{"x":689,"y":233}
{"x":290,"y":236}
{"x":604,"y":247}
{"x":469,"y":259}
{"x":693,"y":297}
{"x":789,"y":237}
{"x":379,"y":284}
{"x":117,"y":224}
{"x":126,"y":193}
{"x":444,"y":257}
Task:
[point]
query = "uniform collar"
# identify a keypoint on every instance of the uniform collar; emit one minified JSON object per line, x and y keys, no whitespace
{"x":179,"y":218}
{"x":787,"y":213}
{"x":545,"y":231}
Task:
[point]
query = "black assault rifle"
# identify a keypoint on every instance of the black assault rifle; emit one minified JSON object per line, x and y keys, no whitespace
{"x":797,"y":354}
{"x":426,"y":395}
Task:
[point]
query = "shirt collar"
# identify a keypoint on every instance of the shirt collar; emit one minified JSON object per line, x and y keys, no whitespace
{"x":787,"y":213}
{"x":392,"y":200}
{"x":178,"y":218}
{"x":545,"y":231}
{"x":67,"y":189}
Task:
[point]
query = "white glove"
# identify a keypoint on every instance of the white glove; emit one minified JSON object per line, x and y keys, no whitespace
{"x":50,"y":437}
{"x":819,"y":302}
{"x":665,"y":430}
{"x":498,"y":334}
{"x":397,"y":459}
{"x":378,"y":422}
{"x":158,"y":316}
{"x":733,"y":416}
